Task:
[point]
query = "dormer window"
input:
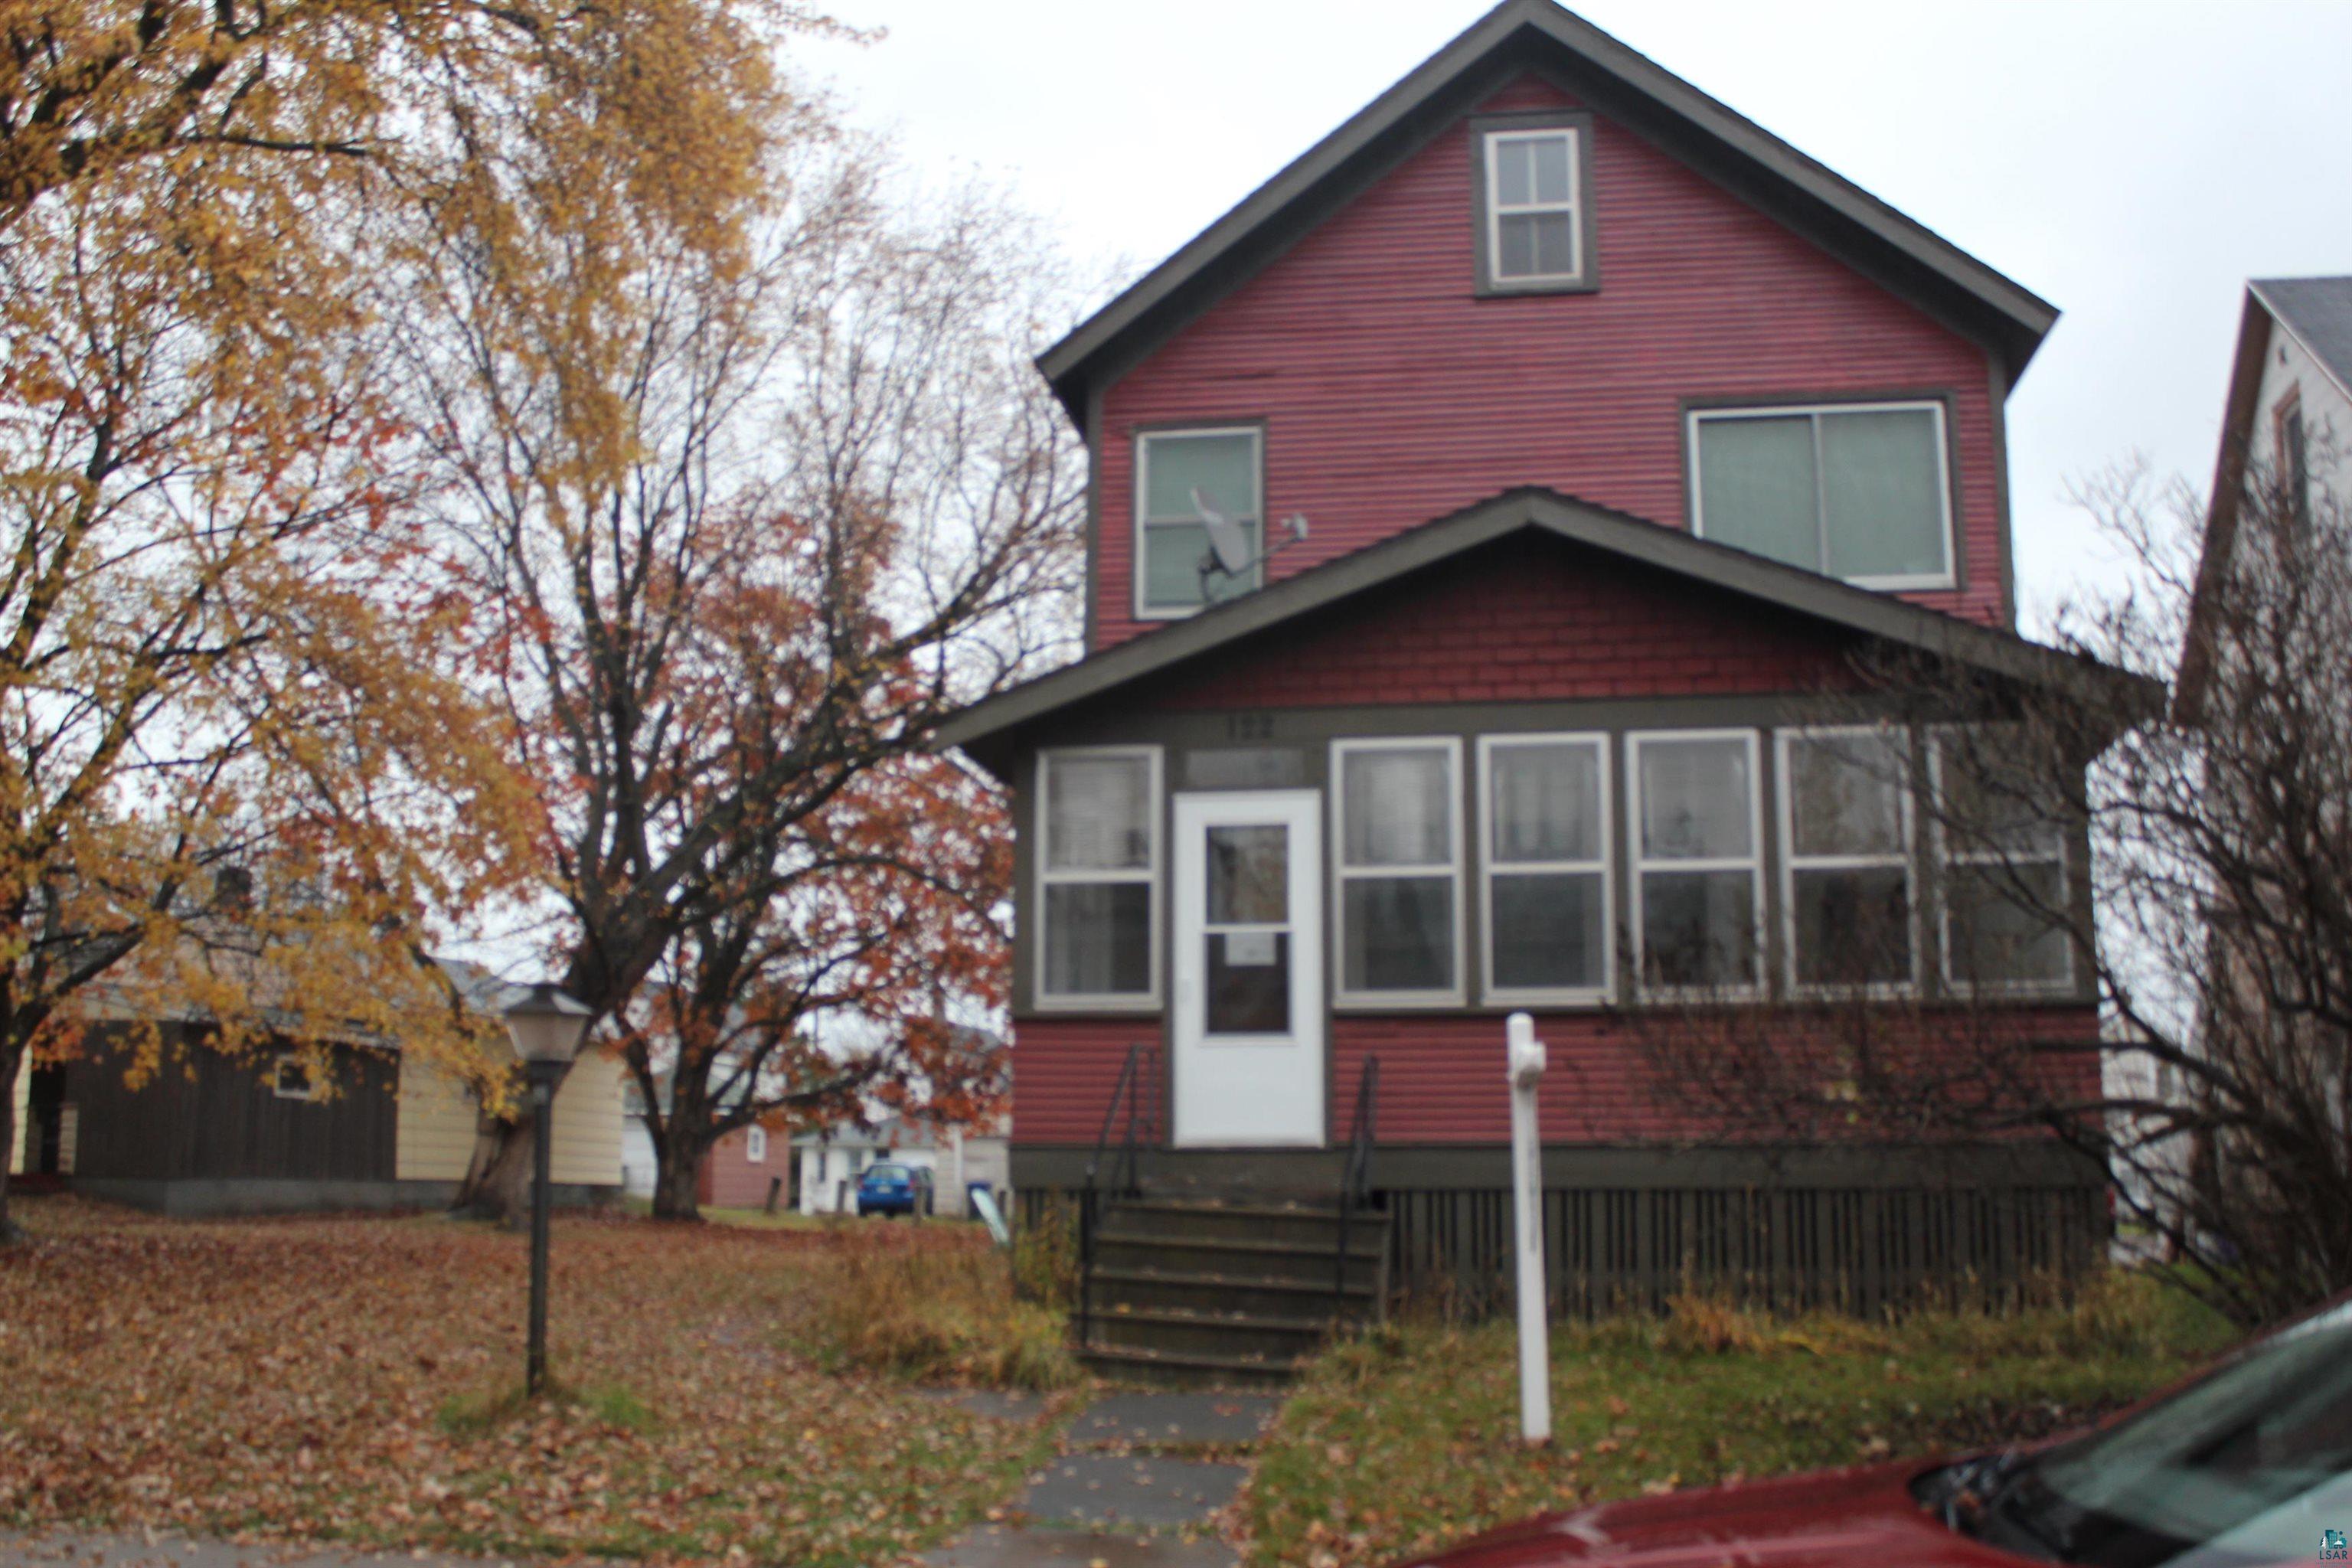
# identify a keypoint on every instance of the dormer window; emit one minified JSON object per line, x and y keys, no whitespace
{"x":1535,"y":222}
{"x":1183,"y":480}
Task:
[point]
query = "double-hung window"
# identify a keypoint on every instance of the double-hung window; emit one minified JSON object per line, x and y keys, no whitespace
{"x":1535,"y":234}
{"x":2000,"y":837}
{"x":1399,"y":869}
{"x":1846,"y":864}
{"x":1699,"y":881}
{"x":1544,"y":832}
{"x":1854,"y":491}
{"x":1183,"y":480}
{"x":755,"y":1145}
{"x":1098,"y":874}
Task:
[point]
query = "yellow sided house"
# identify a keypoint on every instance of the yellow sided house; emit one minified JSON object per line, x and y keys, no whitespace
{"x":209,"y":1135}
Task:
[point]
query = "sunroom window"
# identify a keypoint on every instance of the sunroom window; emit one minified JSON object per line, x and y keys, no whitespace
{"x":2002,"y":839}
{"x":1399,"y":868}
{"x":1545,"y":804}
{"x":1846,"y":872}
{"x":1182,"y":478}
{"x":1855,"y":492}
{"x":1098,"y":875}
{"x":1698,"y":867}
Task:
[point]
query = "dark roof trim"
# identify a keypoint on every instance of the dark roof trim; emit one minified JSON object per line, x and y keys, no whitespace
{"x":1626,"y":537}
{"x":2016,"y":318}
{"x":2316,"y":312}
{"x":2238,"y":412}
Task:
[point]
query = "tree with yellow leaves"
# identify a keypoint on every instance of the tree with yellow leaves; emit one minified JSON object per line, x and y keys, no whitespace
{"x":229,"y":787}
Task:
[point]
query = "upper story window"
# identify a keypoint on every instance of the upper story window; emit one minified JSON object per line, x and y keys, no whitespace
{"x":1533,"y":222}
{"x":755,"y":1145}
{"x":1400,"y":869}
{"x":1183,"y":479}
{"x":1860,"y":491}
{"x":2294,"y":461}
{"x":1534,"y":230}
{"x":1098,"y":874}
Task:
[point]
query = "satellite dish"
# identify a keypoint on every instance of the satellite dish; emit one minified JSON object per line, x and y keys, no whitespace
{"x":1227,"y":543}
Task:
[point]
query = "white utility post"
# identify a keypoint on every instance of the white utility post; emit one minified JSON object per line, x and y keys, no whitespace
{"x":1526,"y":1060}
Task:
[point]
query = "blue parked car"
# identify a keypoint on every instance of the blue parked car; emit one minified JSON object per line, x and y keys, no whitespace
{"x":893,"y":1189}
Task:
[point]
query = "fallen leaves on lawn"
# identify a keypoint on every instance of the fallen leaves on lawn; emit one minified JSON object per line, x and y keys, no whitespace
{"x":314,"y":1378}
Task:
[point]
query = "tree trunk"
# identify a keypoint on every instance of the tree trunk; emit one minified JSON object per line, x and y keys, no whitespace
{"x":677,"y":1177}
{"x":12,"y":1062}
{"x":498,"y":1181}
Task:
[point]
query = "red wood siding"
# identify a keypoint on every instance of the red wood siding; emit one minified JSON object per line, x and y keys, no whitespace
{"x":1393,"y":395}
{"x":1064,"y":1070}
{"x":1526,"y":619}
{"x":1442,"y":1077}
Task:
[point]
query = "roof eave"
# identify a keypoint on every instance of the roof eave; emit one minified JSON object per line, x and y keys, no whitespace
{"x":2016,"y":318}
{"x":983,"y":729}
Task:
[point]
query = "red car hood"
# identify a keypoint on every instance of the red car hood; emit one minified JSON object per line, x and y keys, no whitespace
{"x":1838,"y":1518}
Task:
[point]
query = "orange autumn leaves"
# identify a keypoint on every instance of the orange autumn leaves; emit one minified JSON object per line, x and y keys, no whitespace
{"x":315,"y":1378}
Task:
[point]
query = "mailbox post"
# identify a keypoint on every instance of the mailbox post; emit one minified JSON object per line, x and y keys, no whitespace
{"x":1526,"y":1070}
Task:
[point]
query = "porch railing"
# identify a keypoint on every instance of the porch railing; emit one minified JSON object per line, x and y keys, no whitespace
{"x":1355,"y":1182}
{"x":1125,"y":1174}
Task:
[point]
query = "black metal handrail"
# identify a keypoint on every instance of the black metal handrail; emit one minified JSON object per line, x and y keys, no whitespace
{"x":1355,"y":1186}
{"x":1126,"y":1175}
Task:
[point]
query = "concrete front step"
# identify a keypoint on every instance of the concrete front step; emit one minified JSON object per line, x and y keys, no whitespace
{"x":1240,"y":1334}
{"x":1118,"y":1247}
{"x":1185,"y":1369}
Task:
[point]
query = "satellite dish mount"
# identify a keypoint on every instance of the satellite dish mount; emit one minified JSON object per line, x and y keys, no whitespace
{"x":1229,"y":555}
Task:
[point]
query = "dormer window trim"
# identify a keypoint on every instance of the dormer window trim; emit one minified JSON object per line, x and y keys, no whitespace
{"x":1489,"y":133}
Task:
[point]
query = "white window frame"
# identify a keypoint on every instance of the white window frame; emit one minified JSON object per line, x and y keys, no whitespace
{"x":1137,"y":568}
{"x":1497,"y":211}
{"x":1792,"y":862}
{"x":1457,"y":994}
{"x":1606,"y":864}
{"x":755,"y":1144}
{"x":1948,"y":856}
{"x":1753,"y":863}
{"x":1947,"y":578}
{"x":309,"y":1090}
{"x":1044,"y":999}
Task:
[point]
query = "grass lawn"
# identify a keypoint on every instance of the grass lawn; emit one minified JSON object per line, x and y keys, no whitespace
{"x":353,"y":1378}
{"x":1407,"y":1438}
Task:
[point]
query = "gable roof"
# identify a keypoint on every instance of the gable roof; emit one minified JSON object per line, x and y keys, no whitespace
{"x":2317,"y":313}
{"x":1629,"y":88}
{"x":1547,"y":513}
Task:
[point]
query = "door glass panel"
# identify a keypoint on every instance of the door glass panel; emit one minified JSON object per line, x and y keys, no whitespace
{"x":1249,"y":983}
{"x":1249,"y":880}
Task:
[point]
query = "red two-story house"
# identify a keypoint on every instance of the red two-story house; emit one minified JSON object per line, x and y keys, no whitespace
{"x":1566,"y":437}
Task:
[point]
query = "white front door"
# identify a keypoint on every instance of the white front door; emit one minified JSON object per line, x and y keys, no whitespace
{"x":1248,"y":1018}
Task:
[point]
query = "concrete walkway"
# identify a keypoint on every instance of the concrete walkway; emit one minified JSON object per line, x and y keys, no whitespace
{"x":1135,"y":1486}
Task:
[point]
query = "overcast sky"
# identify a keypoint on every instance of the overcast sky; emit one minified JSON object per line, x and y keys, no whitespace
{"x":2133,"y":164}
